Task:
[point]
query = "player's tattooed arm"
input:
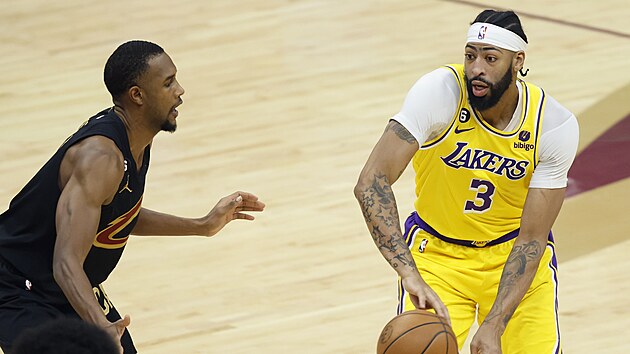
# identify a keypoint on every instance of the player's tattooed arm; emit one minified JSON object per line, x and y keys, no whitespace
{"x":400,"y":131}
{"x":381,"y":215}
{"x":518,"y":273}
{"x":373,"y":191}
{"x":539,"y":213}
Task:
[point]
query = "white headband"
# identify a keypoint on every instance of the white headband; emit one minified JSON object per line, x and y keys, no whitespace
{"x":488,"y":33}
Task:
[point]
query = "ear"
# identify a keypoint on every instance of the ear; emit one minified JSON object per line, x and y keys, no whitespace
{"x":518,"y":61}
{"x":135,"y":95}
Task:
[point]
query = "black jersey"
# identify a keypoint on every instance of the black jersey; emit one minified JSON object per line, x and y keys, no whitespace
{"x":27,"y":228}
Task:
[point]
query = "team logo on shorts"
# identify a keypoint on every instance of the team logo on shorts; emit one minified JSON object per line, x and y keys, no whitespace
{"x":479,"y":243}
{"x":423,"y":245}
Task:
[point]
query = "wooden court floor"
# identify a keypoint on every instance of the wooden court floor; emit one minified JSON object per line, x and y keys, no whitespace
{"x":285,"y":99}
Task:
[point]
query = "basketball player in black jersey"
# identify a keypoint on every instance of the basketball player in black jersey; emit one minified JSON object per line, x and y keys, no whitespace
{"x":65,"y":231}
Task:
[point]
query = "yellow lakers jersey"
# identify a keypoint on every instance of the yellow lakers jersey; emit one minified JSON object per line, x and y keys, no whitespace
{"x":472,"y":179}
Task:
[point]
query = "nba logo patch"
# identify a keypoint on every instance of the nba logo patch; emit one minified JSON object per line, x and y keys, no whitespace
{"x":524,"y":135}
{"x":423,"y":245}
{"x":482,"y":32}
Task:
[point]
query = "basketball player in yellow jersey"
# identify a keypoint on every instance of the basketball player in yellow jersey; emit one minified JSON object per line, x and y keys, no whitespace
{"x":491,"y":154}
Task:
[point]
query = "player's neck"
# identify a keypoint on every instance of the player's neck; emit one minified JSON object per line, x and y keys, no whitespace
{"x":500,"y":115}
{"x":140,"y":136}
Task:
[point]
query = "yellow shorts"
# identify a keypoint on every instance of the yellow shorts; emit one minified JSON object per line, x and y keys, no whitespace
{"x":467,"y":278}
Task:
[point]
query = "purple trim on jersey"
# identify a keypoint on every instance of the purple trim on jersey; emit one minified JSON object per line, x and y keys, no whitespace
{"x":459,"y":81}
{"x":524,"y":115}
{"x":467,"y":243}
{"x":525,"y":103}
{"x":555,"y":279}
{"x":401,"y":298}
{"x":409,"y":224}
{"x":442,"y":137}
{"x":554,"y":271}
{"x":538,"y":125}
{"x":454,"y":119}
{"x":552,"y":244}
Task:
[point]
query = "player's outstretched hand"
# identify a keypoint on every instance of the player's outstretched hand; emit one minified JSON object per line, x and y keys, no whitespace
{"x":423,"y":297}
{"x":231,"y":208}
{"x":116,"y":330}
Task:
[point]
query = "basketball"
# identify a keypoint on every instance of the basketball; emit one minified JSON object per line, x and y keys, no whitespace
{"x":417,"y":331}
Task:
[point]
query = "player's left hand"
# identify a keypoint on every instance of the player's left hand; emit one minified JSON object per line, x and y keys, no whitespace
{"x":231,"y":208}
{"x":486,"y":341}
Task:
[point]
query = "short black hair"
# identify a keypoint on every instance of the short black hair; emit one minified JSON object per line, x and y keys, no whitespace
{"x":127,"y":63}
{"x":506,"y":19}
{"x":64,"y":336}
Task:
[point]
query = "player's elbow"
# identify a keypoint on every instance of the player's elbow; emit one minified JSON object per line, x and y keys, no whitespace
{"x":362,"y":186}
{"x":357,"y":192}
{"x":359,"y":188}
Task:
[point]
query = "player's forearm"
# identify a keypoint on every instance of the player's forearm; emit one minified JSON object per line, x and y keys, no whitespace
{"x":378,"y":204}
{"x":154,"y":223}
{"x":518,"y":274}
{"x":75,"y":285}
{"x":539,"y":213}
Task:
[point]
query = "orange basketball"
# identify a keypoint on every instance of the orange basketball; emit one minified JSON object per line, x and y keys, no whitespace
{"x":417,"y":331}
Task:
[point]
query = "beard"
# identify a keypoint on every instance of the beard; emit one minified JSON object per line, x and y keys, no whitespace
{"x":168,"y":127}
{"x":495,"y":91}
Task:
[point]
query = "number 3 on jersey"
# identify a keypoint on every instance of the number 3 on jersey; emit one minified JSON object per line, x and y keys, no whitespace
{"x":483,"y":199}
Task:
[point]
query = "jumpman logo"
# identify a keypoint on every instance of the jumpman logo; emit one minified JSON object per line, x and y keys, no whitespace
{"x":126,"y":187}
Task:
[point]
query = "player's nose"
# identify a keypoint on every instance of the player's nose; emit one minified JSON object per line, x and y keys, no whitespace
{"x":477,"y":67}
{"x":180,"y":90}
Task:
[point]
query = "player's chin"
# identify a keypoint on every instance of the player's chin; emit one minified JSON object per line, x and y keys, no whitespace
{"x":169,"y":125}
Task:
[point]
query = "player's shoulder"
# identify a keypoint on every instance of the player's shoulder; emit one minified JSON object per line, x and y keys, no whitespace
{"x":556,"y":109}
{"x":556,"y":114}
{"x":103,"y":133}
{"x":440,"y":82}
{"x":95,"y":152}
{"x":442,"y":74}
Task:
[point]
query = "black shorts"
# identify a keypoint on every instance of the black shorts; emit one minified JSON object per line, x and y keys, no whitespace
{"x":21,"y":309}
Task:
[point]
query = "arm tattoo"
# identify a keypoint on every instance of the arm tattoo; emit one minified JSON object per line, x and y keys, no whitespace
{"x":512,"y":279}
{"x":400,"y":131}
{"x":381,"y":215}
